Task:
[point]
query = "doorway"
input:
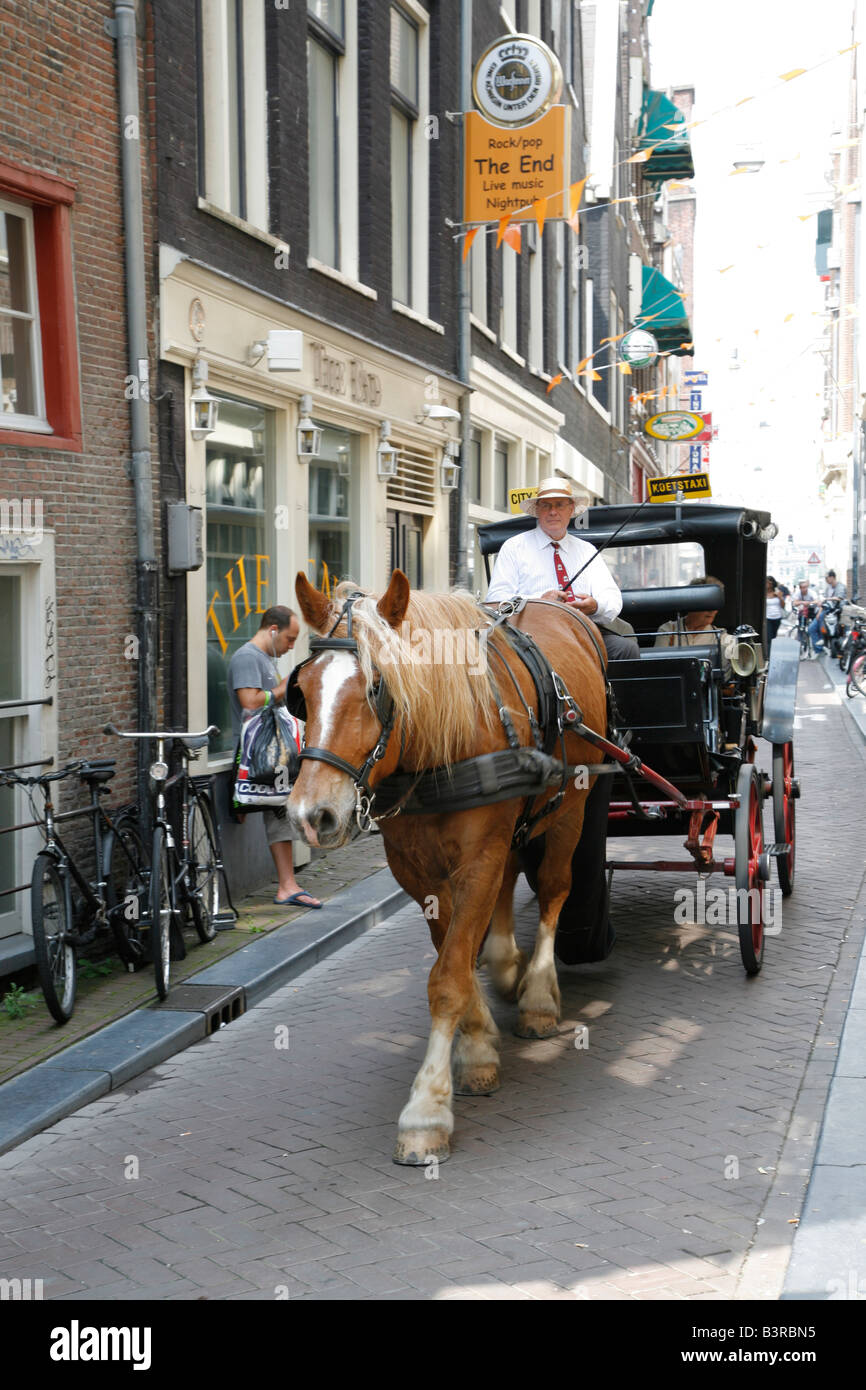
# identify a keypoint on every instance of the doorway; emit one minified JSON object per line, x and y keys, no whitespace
{"x":405,"y":546}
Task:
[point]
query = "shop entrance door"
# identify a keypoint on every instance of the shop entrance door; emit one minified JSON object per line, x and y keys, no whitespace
{"x":405,"y":537}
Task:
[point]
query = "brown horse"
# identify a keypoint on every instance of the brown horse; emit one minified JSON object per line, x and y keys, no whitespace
{"x":460,"y":868}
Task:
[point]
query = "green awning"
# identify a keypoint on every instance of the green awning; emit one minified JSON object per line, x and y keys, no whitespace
{"x":663,"y":313}
{"x":671,"y":156}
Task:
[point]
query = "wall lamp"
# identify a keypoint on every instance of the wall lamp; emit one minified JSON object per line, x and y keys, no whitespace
{"x":309,"y":435}
{"x":449,"y":468}
{"x":386,"y":454}
{"x":203,"y":408}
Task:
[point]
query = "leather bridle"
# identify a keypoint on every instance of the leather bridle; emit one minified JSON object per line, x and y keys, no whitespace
{"x":385,"y":711}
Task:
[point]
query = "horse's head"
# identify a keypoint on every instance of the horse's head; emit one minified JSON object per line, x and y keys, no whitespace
{"x":342,"y":718}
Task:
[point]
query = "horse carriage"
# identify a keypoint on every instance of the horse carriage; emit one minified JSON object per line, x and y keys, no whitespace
{"x":518,"y":748}
{"x":690,"y":714}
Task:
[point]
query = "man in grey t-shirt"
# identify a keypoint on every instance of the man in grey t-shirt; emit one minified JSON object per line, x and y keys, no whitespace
{"x":252,"y":673}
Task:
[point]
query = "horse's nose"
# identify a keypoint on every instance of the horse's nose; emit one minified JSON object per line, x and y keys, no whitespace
{"x":325,"y":824}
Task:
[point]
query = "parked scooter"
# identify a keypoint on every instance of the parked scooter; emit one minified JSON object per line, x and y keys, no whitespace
{"x":830,"y":628}
{"x":853,"y":641}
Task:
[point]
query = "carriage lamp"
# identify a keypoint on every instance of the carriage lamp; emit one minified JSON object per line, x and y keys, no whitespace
{"x":203,"y":408}
{"x":449,"y":469}
{"x":386,"y":454}
{"x":309,"y":435}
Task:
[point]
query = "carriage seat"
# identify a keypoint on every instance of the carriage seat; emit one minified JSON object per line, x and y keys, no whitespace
{"x":647,"y":609}
{"x":662,"y":696}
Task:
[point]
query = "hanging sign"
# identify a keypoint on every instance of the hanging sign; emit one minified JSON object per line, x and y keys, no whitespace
{"x":506,"y":170}
{"x":639,"y":348}
{"x":516,"y":495}
{"x":694,"y":378}
{"x":516,"y":80}
{"x":673,"y":425}
{"x":689,"y":484}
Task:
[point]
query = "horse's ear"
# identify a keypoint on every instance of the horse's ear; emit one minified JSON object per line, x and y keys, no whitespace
{"x":314,"y":605}
{"x":395,"y":600}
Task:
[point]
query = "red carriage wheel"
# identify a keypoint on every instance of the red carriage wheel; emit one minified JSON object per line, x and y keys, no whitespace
{"x":784,"y":796}
{"x":750,"y":867}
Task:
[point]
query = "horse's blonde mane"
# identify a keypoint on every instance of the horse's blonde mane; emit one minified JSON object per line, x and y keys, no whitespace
{"x":435,"y":667}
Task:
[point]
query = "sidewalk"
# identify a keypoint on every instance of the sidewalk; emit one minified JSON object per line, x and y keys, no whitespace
{"x":117,"y":1010}
{"x":828,"y":1260}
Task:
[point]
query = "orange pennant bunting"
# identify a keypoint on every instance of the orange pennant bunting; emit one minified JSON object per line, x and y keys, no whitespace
{"x":789,"y":76}
{"x":554,"y":382}
{"x":513,"y":238}
{"x":470,"y":237}
{"x":575,"y":193}
{"x":503,"y":223}
{"x":580,"y":366}
{"x":539,"y":209}
{"x":624,"y":368}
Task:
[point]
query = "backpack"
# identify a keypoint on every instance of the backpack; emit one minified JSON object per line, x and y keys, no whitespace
{"x":267,"y":759}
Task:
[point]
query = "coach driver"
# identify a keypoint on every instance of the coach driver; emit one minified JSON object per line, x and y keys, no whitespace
{"x":537,"y":564}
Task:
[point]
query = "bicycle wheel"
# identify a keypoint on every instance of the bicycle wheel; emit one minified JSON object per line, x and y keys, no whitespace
{"x":55,"y":951}
{"x":858,"y":675}
{"x":204,"y":874}
{"x":127,"y":886}
{"x":161,"y":910}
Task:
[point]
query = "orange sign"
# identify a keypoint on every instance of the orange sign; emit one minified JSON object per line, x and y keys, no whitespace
{"x":507,"y":170}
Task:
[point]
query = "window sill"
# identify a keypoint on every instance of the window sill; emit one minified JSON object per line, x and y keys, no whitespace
{"x":515,"y":357}
{"x":418,"y":318}
{"x":222,"y":216}
{"x":482,"y":328}
{"x":332,"y":274}
{"x":35,"y":439}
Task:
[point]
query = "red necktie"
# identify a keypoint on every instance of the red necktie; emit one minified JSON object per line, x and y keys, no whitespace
{"x":561,"y":572}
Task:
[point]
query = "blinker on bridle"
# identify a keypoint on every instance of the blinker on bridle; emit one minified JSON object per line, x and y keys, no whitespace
{"x":385,"y":713}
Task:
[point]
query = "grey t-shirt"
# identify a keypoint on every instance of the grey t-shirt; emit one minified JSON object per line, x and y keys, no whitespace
{"x":248,"y":667}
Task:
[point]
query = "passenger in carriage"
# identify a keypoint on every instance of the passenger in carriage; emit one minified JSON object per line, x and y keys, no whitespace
{"x":693,"y":629}
{"x":537,"y":564}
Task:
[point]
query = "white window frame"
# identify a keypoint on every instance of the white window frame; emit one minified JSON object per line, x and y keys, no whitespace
{"x":16,"y":420}
{"x":535,"y":341}
{"x":560,"y":272}
{"x":478,"y":276}
{"x":419,"y":292}
{"x":588,"y":331}
{"x":218,"y":136}
{"x":348,"y":253}
{"x":508,"y":308}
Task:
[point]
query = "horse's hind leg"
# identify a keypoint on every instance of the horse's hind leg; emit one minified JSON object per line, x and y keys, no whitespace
{"x":476,"y":1055}
{"x":538,"y":992}
{"x":501,"y":954}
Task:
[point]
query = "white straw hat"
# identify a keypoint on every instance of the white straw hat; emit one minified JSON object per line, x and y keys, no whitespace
{"x":553,"y":488}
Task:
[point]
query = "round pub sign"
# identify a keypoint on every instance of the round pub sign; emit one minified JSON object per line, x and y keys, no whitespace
{"x":639,"y":348}
{"x":674,"y":425}
{"x":516,"y":80}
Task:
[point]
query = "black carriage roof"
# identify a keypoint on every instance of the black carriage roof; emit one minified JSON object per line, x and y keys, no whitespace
{"x":658,"y":523}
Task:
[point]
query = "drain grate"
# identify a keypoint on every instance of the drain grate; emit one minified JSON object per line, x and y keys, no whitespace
{"x":220,"y":1004}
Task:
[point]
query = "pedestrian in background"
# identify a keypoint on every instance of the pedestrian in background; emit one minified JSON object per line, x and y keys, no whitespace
{"x":775,"y":608}
{"x":253,"y":681}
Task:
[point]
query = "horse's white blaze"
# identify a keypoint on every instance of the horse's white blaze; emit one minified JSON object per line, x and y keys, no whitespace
{"x":429,"y":1103}
{"x":338,"y":668}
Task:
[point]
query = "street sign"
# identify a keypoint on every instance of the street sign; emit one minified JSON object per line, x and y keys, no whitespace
{"x":814,"y":558}
{"x":673,"y":425}
{"x":508,"y":170}
{"x":516,"y":495}
{"x":696,"y":458}
{"x":516,"y":80}
{"x":639,"y":348}
{"x":694,"y":378}
{"x":696,"y":399}
{"x":706,"y":433}
{"x":690,"y":484}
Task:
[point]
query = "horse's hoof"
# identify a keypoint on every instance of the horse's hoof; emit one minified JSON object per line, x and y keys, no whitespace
{"x":536,"y":1026}
{"x":418,"y":1147}
{"x":476,"y":1081}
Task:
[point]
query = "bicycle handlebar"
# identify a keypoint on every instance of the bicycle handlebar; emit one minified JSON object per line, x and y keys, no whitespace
{"x":41,"y":777}
{"x":165,"y":733}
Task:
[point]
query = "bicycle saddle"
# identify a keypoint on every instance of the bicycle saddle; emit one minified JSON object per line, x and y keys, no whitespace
{"x":191,"y":744}
{"x":97,"y":770}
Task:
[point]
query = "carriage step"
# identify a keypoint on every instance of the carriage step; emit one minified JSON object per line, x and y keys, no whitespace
{"x":778,"y":851}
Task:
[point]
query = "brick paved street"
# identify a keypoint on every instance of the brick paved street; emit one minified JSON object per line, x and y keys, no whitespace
{"x":665,"y":1161}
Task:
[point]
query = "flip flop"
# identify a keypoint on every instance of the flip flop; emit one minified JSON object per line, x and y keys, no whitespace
{"x":296,"y":898}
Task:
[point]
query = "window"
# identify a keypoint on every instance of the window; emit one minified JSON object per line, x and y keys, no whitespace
{"x":576,"y":295}
{"x":40,"y":400}
{"x":500,"y":475}
{"x":508,"y":316}
{"x":325,"y":47}
{"x":334,"y":506}
{"x":240,"y":543}
{"x":234,"y":108}
{"x":535,"y":342}
{"x":478,"y":275}
{"x":561,"y":296}
{"x":474,"y":479}
{"x":588,"y":330}
{"x":404,"y":115}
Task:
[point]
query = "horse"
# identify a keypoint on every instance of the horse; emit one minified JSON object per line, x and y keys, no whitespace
{"x":460,"y":867}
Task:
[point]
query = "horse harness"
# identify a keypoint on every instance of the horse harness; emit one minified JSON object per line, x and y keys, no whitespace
{"x":503,"y":775}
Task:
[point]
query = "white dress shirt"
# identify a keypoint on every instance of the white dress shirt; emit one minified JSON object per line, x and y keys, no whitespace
{"x":525,"y":566}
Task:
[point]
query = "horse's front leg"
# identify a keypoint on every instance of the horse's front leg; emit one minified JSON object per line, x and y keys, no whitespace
{"x":538,"y":992}
{"x":426,"y":1121}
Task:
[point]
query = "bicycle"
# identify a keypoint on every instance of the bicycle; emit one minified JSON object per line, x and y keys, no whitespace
{"x":62,"y":925}
{"x":187,"y":876}
{"x":855,"y":683}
